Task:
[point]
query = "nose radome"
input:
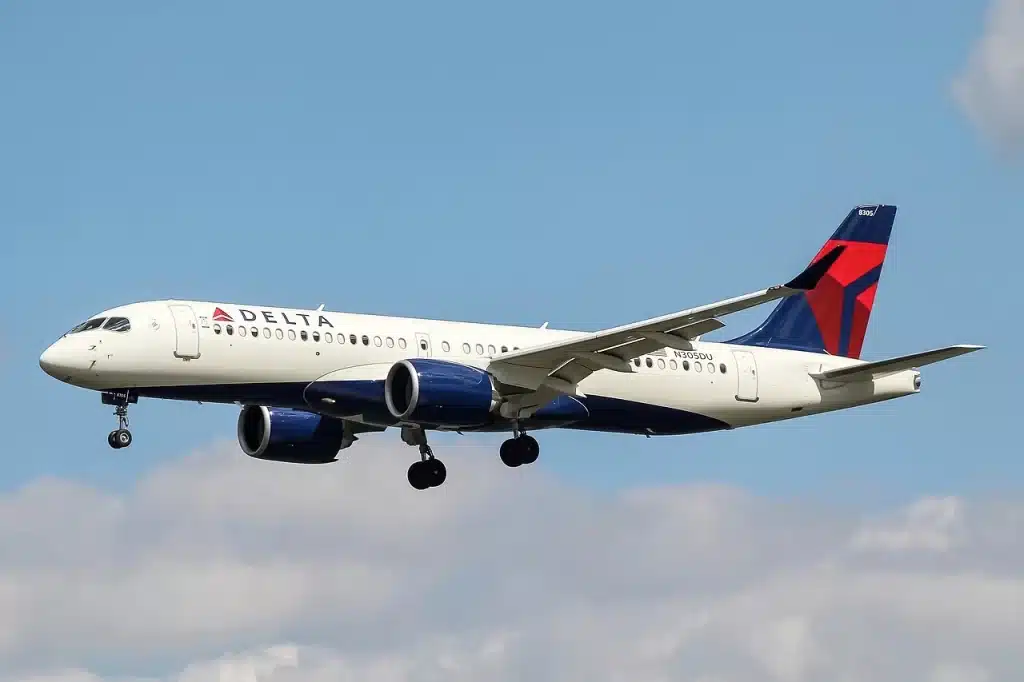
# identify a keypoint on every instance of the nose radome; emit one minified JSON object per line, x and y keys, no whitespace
{"x":48,"y":361}
{"x":60,"y":360}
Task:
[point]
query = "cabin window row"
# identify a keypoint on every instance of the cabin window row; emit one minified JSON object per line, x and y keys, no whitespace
{"x":467,"y":349}
{"x":672,"y":364}
{"x":328,"y":337}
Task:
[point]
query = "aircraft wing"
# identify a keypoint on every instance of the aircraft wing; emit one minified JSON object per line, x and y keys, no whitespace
{"x":558,"y":367}
{"x":872,"y":370}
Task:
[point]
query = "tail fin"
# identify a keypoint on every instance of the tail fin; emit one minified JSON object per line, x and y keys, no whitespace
{"x":833,"y":317}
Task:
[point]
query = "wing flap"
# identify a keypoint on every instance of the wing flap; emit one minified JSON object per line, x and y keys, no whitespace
{"x":873,"y":370}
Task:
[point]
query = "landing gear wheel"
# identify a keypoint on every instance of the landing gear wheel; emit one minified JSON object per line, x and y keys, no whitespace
{"x":520,"y":450}
{"x":509,"y":453}
{"x":419,"y":476}
{"x":119,"y":438}
{"x":123,"y":438}
{"x":438,"y":472}
{"x":529,"y":449}
{"x":427,"y":473}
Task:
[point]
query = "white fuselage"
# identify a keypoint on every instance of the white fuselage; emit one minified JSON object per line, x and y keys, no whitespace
{"x":193,"y":350}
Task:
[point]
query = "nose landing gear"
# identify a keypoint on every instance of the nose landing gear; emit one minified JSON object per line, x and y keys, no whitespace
{"x":120,"y":437}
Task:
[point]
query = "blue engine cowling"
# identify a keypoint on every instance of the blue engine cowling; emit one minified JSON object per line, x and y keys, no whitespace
{"x":283,"y":435}
{"x":440,"y":393}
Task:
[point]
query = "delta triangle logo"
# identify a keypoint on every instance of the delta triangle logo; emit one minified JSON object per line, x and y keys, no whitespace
{"x":221,"y":316}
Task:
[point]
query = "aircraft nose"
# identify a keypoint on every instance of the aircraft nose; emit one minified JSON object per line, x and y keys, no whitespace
{"x":60,"y":361}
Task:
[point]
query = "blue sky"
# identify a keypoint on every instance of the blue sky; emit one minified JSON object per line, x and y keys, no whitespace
{"x":587,"y":164}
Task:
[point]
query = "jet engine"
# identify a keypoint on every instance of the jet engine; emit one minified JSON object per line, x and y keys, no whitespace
{"x":440,"y":393}
{"x":283,"y":435}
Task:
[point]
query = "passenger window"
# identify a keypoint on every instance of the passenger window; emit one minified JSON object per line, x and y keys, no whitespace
{"x":230,"y":330}
{"x":423,"y":344}
{"x":650,"y":363}
{"x":291,"y":334}
{"x":697,"y":367}
{"x":216,"y":329}
{"x":445,"y":346}
{"x":366,"y":340}
{"x":279,"y":334}
{"x":661,"y":364}
{"x":390,"y":341}
{"x":377,"y":341}
{"x":341,"y":338}
{"x":711,"y":368}
{"x":636,"y":361}
{"x":328,"y":337}
{"x":241,"y":331}
{"x":266,"y":332}
{"x":721,"y":368}
{"x":401,"y":343}
{"x":672,"y":364}
{"x":466,"y":348}
{"x":686,"y":365}
{"x":479,"y":349}
{"x":504,"y":349}
{"x":303,"y":335}
{"x":491,"y":350}
{"x":316,"y":336}
{"x":117,"y":324}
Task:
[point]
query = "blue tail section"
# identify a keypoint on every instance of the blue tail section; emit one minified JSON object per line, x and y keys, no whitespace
{"x":833,"y":317}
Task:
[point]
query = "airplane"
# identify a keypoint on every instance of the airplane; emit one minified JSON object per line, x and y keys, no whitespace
{"x":308,"y":382}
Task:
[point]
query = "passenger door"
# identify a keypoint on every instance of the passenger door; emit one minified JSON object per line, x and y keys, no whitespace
{"x":186,"y":330}
{"x":746,"y":376}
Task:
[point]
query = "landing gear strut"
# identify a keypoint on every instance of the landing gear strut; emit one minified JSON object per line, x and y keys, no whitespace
{"x":120,"y":437}
{"x":522,"y":449}
{"x":429,"y":472}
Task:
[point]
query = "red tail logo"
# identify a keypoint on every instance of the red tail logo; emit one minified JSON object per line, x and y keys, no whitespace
{"x":221,"y":316}
{"x":842,"y":301}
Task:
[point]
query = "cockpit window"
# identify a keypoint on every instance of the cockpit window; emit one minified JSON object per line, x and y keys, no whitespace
{"x":117,"y":324}
{"x":94,"y":323}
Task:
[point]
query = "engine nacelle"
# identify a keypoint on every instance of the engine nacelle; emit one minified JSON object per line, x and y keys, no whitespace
{"x":440,"y":393}
{"x":283,"y":435}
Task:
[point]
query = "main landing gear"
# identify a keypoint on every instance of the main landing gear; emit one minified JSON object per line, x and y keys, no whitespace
{"x":120,"y":437}
{"x":522,"y":449}
{"x":429,"y":472}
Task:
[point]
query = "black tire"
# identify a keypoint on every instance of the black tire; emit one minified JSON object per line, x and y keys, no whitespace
{"x":112,"y":440}
{"x":511,"y":453}
{"x":419,"y":476}
{"x":438,"y":472}
{"x":124,"y":438}
{"x":529,"y":449}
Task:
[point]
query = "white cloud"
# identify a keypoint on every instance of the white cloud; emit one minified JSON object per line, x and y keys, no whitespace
{"x":928,"y":524}
{"x":990,"y":88}
{"x":218,"y":567}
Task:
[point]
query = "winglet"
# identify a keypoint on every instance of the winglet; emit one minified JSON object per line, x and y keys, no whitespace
{"x":812,"y":274}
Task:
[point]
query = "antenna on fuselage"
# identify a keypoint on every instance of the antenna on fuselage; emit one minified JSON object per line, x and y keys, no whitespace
{"x":544,"y":326}
{"x":320,"y":308}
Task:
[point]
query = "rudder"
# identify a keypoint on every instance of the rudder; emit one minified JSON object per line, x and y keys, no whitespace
{"x":833,"y":317}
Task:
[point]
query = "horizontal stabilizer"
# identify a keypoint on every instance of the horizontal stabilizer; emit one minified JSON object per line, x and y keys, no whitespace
{"x":873,"y":370}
